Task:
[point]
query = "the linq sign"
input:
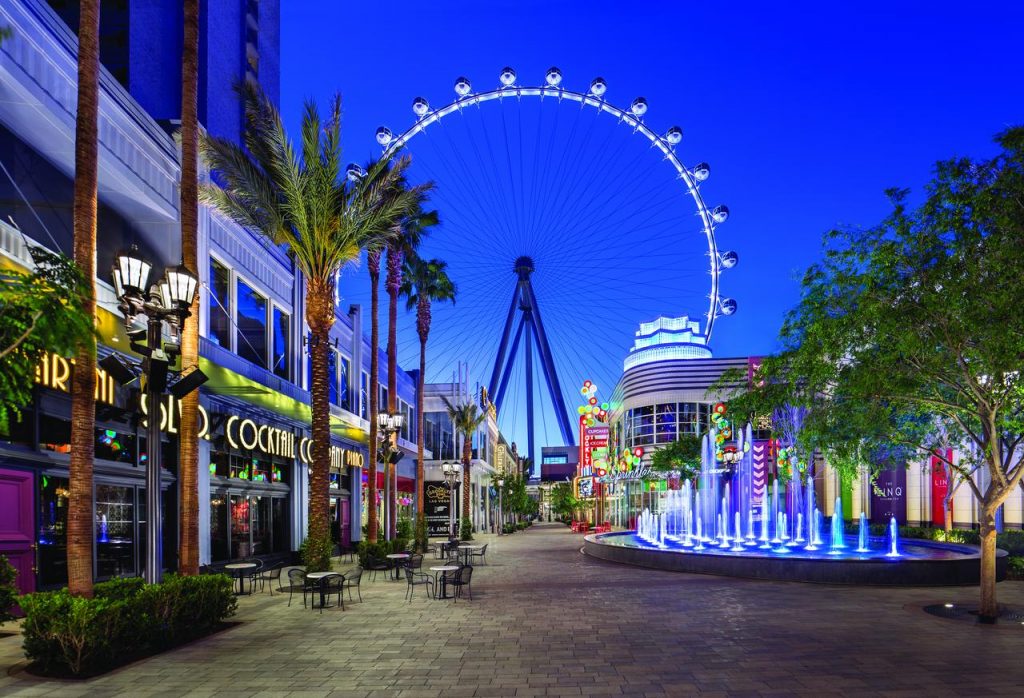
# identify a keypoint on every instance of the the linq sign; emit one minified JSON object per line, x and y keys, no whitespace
{"x":889,"y":496}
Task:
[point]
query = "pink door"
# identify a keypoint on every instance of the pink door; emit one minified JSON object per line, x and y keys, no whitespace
{"x":16,"y":528}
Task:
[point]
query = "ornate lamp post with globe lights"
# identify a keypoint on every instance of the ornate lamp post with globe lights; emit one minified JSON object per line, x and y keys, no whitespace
{"x":389,"y":425}
{"x":500,"y":482}
{"x":451,"y":477}
{"x":165,"y":302}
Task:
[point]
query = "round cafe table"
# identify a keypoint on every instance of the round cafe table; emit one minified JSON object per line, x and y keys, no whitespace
{"x":395,"y":565}
{"x":443,"y":569}
{"x":467,"y":550}
{"x":238,"y":571}
{"x":319,"y":578}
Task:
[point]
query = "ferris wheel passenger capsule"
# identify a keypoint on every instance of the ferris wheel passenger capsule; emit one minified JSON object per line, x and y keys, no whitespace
{"x":702,"y":171}
{"x":729,"y":259}
{"x":462,"y":87}
{"x":720,"y":214}
{"x":727,"y":306}
{"x":420,"y":107}
{"x":553,"y":77}
{"x":507,"y":77}
{"x":674,"y":135}
{"x":384,"y":135}
{"x":598,"y":87}
{"x":639,"y":106}
{"x":354,"y":172}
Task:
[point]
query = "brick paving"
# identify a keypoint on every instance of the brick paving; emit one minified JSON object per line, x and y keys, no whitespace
{"x":547,"y":621}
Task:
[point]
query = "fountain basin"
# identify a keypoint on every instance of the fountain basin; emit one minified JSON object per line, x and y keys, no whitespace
{"x":921,"y":563}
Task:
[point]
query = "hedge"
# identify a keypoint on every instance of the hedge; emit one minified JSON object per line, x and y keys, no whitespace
{"x":67,"y":635}
{"x":8,"y":591}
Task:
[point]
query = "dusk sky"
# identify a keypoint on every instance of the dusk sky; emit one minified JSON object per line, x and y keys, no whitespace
{"x":805,"y":113}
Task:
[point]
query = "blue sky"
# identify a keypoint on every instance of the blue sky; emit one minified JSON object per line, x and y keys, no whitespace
{"x":806,"y":113}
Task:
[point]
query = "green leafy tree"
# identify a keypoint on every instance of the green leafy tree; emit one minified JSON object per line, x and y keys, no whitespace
{"x":304,"y":201}
{"x":908,"y":338}
{"x":682,"y":456}
{"x":41,"y":311}
{"x":563,"y":502}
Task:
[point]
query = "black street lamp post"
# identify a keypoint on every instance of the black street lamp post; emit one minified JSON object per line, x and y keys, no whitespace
{"x":167,"y":301}
{"x":451,"y":476}
{"x":389,"y":425}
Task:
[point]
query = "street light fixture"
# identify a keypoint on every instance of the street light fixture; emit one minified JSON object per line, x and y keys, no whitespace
{"x":167,"y":301}
{"x":389,"y":425}
{"x":500,"y":482}
{"x":451,"y":476}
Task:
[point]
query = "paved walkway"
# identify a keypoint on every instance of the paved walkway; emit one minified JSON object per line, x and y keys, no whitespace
{"x":547,"y":621}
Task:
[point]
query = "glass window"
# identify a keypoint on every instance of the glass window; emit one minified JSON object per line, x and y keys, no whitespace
{"x":332,"y":376}
{"x":240,"y":545}
{"x":261,"y":524}
{"x":252,"y":325}
{"x":115,"y":446}
{"x":344,"y":369}
{"x":220,"y":304}
{"x":382,"y":400}
{"x":53,"y":534}
{"x":281,"y":359}
{"x":218,"y":527}
{"x":115,"y":531}
{"x":282,"y":525}
{"x":364,"y":396}
{"x":666,"y":423}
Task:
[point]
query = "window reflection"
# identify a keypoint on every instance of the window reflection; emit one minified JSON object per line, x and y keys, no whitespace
{"x":252,"y":325}
{"x":220,"y":304}
{"x":282,"y":366}
{"x":53,"y":540}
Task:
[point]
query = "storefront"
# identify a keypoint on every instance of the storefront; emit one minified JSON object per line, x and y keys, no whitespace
{"x":346,"y":459}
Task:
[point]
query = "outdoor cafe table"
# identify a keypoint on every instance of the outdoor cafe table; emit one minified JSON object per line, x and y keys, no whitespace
{"x":444,"y":582}
{"x":319,"y":577}
{"x":396,"y":557}
{"x":467,"y":550}
{"x":239,"y":570}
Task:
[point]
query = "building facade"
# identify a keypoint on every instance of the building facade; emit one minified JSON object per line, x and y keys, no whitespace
{"x":255,"y":422}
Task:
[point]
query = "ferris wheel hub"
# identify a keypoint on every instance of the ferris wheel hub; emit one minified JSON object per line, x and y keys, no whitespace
{"x":523,"y":266}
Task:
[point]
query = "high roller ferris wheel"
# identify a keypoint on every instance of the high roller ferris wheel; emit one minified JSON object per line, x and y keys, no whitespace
{"x":509,"y":186}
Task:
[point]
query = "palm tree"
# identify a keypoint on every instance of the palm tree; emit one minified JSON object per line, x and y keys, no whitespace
{"x":83,"y":408}
{"x":373,"y":265}
{"x":302,"y":201}
{"x":402,"y":246}
{"x":188,"y":432}
{"x":466,"y":418}
{"x":423,"y":283}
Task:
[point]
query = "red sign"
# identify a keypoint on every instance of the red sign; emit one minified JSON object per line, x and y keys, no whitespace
{"x":592,"y":437}
{"x":940,"y":488}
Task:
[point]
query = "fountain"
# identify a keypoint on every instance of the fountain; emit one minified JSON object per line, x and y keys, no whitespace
{"x":699,"y":528}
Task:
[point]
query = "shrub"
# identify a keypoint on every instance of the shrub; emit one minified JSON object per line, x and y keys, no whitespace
{"x":71,"y":635}
{"x":1015,"y":567}
{"x":403,"y":528}
{"x":509,"y":528}
{"x":466,"y":529}
{"x":367,"y":551}
{"x":8,"y":591}
{"x":316,"y":553}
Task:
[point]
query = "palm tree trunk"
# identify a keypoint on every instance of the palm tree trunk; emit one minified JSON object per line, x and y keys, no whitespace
{"x":467,"y":454}
{"x":188,"y":432}
{"x":394,"y":283}
{"x":373,"y":262}
{"x":83,"y":390}
{"x":320,"y":317}
{"x":421,"y":517}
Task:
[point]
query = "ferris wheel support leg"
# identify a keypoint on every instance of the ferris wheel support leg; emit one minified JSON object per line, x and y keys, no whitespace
{"x":528,"y":321}
{"x":548,"y":364}
{"x":500,"y":357}
{"x":507,"y":372}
